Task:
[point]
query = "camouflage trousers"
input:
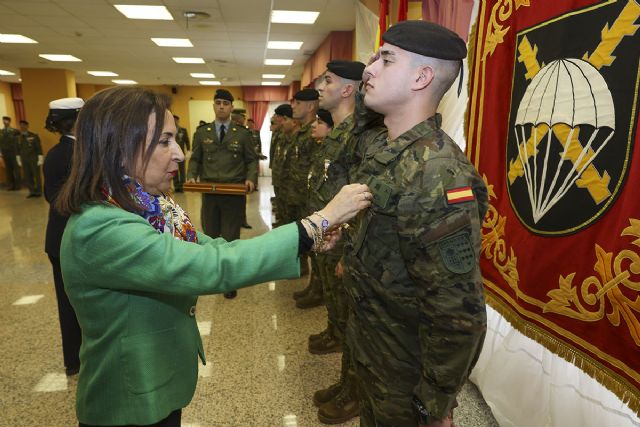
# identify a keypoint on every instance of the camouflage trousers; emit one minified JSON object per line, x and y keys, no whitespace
{"x":315,"y":281}
{"x":335,"y":297}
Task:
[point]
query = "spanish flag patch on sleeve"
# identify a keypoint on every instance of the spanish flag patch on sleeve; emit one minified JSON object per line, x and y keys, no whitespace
{"x":459,"y":195}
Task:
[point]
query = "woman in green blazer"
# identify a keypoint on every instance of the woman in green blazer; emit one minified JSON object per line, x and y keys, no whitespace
{"x":133,"y":264}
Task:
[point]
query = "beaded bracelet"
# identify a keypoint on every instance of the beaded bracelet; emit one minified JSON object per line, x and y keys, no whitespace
{"x":316,"y":233}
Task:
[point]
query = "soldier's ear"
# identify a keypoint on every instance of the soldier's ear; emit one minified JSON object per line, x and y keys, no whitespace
{"x":424,"y":77}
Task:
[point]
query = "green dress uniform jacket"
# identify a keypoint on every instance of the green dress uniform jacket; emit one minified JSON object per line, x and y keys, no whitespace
{"x":29,"y":147}
{"x":8,"y":141}
{"x":135,"y":291}
{"x":418,"y":315}
{"x":232,"y":160}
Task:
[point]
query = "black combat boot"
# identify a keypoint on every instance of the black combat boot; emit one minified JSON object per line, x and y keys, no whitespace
{"x":343,"y":407}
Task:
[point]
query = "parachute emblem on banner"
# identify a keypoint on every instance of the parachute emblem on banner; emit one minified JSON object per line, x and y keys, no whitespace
{"x":566,"y":96}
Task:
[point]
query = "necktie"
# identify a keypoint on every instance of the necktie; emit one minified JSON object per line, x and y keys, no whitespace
{"x":222,"y":132}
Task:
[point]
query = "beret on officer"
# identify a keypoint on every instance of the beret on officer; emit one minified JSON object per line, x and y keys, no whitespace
{"x":325,"y":116}
{"x":223,"y":94}
{"x":351,"y":70}
{"x":284,"y":110}
{"x":307,"y":95}
{"x":426,"y":39}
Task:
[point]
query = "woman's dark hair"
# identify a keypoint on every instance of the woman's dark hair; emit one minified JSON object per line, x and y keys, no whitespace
{"x":111,"y":132}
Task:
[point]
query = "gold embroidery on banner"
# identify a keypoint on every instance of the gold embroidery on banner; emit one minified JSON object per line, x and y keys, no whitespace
{"x":612,"y":275}
{"x":500,"y":13}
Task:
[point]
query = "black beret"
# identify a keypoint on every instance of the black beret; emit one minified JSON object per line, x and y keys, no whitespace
{"x":284,"y":110}
{"x":325,"y":116}
{"x":351,"y":70}
{"x":6,"y":118}
{"x":176,"y":117}
{"x":426,"y":39}
{"x":24,"y":122}
{"x":239,"y":111}
{"x":306,"y":95}
{"x":223,"y":94}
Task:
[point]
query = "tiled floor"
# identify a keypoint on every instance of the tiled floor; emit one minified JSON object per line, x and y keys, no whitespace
{"x":259,"y":372}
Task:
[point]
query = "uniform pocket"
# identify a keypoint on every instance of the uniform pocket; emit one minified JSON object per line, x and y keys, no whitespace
{"x":148,"y":360}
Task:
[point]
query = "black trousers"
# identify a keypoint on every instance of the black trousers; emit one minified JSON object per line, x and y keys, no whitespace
{"x":178,"y":180}
{"x":222,"y":215}
{"x":71,"y":336}
{"x":12,"y":169}
{"x":173,"y":420}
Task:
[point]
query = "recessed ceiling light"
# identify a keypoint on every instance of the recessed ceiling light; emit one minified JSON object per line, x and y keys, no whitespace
{"x":293,"y":17}
{"x":278,"y":61}
{"x":125,"y":82}
{"x":144,"y":12}
{"x":273,"y":76}
{"x":203,"y":75}
{"x":270,"y":83}
{"x":188,"y":60}
{"x":6,"y":73}
{"x":210,"y":83}
{"x":60,"y":58}
{"x":15,"y":38}
{"x":172,"y":42}
{"x":284,"y":45}
{"x":102,"y":73}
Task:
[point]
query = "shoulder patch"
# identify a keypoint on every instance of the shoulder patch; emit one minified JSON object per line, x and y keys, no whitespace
{"x":457,"y":253}
{"x":459,"y":195}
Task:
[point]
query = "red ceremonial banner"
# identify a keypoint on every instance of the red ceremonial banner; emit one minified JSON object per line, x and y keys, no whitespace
{"x":552,"y":127}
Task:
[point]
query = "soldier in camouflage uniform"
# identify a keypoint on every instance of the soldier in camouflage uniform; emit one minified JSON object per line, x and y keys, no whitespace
{"x":30,"y":158}
{"x":338,"y":86}
{"x":280,"y":143}
{"x":305,"y":106}
{"x":182,"y":138}
{"x":9,"y":151}
{"x":417,"y":316}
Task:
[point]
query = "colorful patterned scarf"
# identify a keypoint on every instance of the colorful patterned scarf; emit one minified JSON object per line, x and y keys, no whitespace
{"x":164,"y":214}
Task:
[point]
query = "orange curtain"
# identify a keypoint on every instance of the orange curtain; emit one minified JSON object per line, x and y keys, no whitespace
{"x":18,"y":102}
{"x":454,"y":15}
{"x":337,"y":45}
{"x":264,"y":93}
{"x":257,"y":111}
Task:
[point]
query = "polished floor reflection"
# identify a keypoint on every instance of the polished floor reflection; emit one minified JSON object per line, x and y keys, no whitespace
{"x":259,"y":372}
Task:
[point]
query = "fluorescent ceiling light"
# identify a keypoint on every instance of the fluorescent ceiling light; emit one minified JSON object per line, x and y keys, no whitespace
{"x":270,"y":83}
{"x":284,"y":45}
{"x":203,"y":75}
{"x":210,"y":83}
{"x":188,"y":60}
{"x":273,"y":76}
{"x":172,"y":42}
{"x":144,"y":12}
{"x":102,"y":73}
{"x":60,"y":58}
{"x":278,"y":61}
{"x":6,"y":73}
{"x":15,"y":38}
{"x":293,"y":17}
{"x":125,"y":82}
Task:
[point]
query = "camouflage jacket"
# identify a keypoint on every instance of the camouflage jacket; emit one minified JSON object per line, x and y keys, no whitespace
{"x":231,"y":160}
{"x":280,"y":157}
{"x":413,"y":270}
{"x":297,"y":165}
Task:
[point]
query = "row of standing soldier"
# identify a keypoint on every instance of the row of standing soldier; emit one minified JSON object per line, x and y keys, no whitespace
{"x":21,"y":150}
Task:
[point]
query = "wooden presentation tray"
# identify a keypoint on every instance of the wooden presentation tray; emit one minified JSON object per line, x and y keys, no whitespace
{"x":216,"y":188}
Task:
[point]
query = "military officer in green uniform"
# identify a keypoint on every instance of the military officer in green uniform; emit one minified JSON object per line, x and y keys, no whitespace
{"x":305,"y":107}
{"x":417,"y":315}
{"x":9,"y":151}
{"x":182,"y":138}
{"x":329,"y":172}
{"x":223,"y":152}
{"x":30,"y":158}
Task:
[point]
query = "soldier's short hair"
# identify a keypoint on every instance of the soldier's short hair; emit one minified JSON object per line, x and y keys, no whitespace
{"x":24,"y":122}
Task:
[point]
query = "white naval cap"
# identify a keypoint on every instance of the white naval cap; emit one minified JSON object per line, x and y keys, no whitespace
{"x":66,"y":104}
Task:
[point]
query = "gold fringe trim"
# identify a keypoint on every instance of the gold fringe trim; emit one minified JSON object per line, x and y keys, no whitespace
{"x":626,"y":391}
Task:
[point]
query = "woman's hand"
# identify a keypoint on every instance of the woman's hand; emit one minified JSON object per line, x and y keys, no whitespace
{"x":350,"y":200}
{"x":331,"y":239}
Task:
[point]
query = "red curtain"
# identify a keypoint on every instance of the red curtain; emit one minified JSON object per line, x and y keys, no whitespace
{"x":383,"y":20}
{"x":337,"y":45}
{"x":403,"y":10}
{"x":264,"y":93}
{"x":293,"y":88}
{"x":18,"y":101}
{"x":455,"y":15}
{"x":257,"y":111}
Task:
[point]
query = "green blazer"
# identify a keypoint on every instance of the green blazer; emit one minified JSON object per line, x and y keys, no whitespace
{"x":135,"y":291}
